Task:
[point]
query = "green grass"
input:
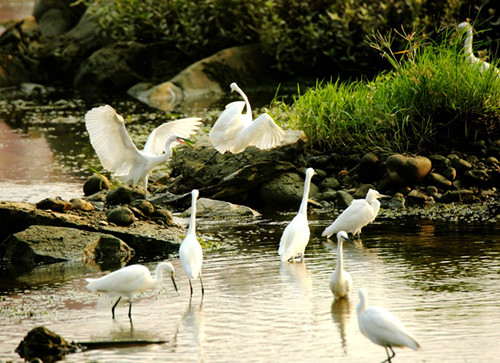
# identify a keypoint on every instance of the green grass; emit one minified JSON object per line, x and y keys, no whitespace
{"x":432,"y":96}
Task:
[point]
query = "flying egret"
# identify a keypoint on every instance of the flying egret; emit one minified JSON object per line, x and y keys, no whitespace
{"x":296,"y":235}
{"x":234,"y":130}
{"x":383,"y":328}
{"x":190,"y":252}
{"x":483,"y":66}
{"x":129,"y":281}
{"x":340,"y":280}
{"x":118,"y":153}
{"x":360,"y":213}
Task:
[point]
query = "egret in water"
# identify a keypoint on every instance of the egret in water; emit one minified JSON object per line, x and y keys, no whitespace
{"x":483,"y":66}
{"x":296,"y":235}
{"x":129,"y":281}
{"x":340,"y":280}
{"x":234,"y":130}
{"x":383,"y":328}
{"x":357,"y":215}
{"x":190,"y":252}
{"x":118,"y":153}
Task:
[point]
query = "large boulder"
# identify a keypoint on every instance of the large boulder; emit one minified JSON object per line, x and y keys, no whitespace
{"x":48,"y":244}
{"x":407,"y":170}
{"x":211,"y":208}
{"x":286,"y":189}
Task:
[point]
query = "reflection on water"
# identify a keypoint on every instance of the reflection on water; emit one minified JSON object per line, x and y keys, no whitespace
{"x":441,"y":280}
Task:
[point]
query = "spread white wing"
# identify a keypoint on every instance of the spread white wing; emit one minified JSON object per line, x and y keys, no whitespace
{"x":111,"y":141}
{"x":184,"y":128}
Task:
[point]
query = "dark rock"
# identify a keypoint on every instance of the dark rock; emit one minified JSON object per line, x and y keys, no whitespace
{"x":121,"y":216}
{"x":330,"y":183}
{"x":396,"y":202}
{"x":107,"y":248}
{"x":407,"y":170}
{"x":459,"y":164}
{"x":369,"y":167}
{"x":57,"y":205}
{"x":440,"y":162}
{"x":42,"y":343}
{"x":328,"y":195}
{"x":286,"y":190}
{"x":439,"y":181}
{"x":164,"y":216}
{"x":462,"y":195}
{"x":318,"y":161}
{"x":416,"y":197}
{"x":210,"y":208}
{"x":476,"y":177}
{"x":362,"y":190}
{"x":144,"y":206}
{"x":344,"y":199}
{"x":492,"y":161}
{"x":449,"y":173}
{"x":47,"y":244}
{"x":96,"y":183}
{"x":121,"y":195}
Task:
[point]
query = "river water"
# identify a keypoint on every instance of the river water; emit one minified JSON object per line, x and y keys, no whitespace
{"x":440,"y":279}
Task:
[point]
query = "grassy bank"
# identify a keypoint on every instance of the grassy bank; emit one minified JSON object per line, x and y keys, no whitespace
{"x":431,"y":97}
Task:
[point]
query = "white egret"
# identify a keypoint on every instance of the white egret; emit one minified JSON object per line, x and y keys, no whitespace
{"x":130,"y":280}
{"x":340,"y":280}
{"x":296,"y":234}
{"x":360,"y":213}
{"x":234,"y":130}
{"x":383,"y":328}
{"x":118,"y":153}
{"x":483,"y":65}
{"x":190,"y":252}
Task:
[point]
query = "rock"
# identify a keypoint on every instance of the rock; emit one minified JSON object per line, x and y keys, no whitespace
{"x":462,"y":196}
{"x":344,"y":199}
{"x":42,"y":343}
{"x":210,"y":76}
{"x":210,"y":208}
{"x":459,"y":164}
{"x":439,"y":181}
{"x":476,"y":177}
{"x":407,"y":170}
{"x":397,"y":201}
{"x":107,"y":248}
{"x":121,"y":216}
{"x":330,"y":183}
{"x":362,"y":190}
{"x":285,"y":190}
{"x":318,"y":161}
{"x":416,"y":197}
{"x":121,"y":195}
{"x":144,"y":206}
{"x":164,"y":216}
{"x":47,"y":244}
{"x":328,"y":195}
{"x":81,"y":204}
{"x":57,"y":205}
{"x":449,"y":173}
{"x":96,"y":183}
{"x":440,"y":162}
{"x":369,"y":167}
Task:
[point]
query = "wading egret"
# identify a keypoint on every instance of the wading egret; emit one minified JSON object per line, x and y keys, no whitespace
{"x":483,"y":66}
{"x":340,"y":280}
{"x":296,"y":235}
{"x":234,"y":130}
{"x":118,"y":153}
{"x":383,"y":328}
{"x":190,"y":252}
{"x":357,"y":215}
{"x":130,"y":280}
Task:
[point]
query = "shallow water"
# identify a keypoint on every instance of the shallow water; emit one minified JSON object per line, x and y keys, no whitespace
{"x":441,"y":280}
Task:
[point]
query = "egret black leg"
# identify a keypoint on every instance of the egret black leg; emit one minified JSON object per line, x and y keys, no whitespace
{"x":213,"y":156}
{"x":191,"y":287}
{"x":114,"y":306}
{"x":130,"y":309}
{"x":389,"y":356}
{"x":202,"y":288}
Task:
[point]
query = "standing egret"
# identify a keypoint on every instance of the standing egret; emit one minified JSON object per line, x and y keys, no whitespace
{"x":118,"y":153}
{"x":190,"y":252}
{"x":483,"y":66}
{"x":383,"y":328}
{"x":296,"y":235}
{"x":234,"y":130}
{"x":340,"y":280}
{"x":357,"y":215}
{"x":129,"y":281}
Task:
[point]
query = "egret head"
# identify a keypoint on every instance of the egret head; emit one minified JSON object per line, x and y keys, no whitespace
{"x":342,"y":235}
{"x":463,"y":25}
{"x":195,"y":193}
{"x":373,"y":195}
{"x":168,"y":268}
{"x":233,"y":86}
{"x":310,"y":172}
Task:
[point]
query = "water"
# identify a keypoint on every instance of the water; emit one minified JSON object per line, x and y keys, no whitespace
{"x":440,"y":279}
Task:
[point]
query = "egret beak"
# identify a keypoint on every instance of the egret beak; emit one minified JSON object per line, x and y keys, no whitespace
{"x":185,"y":141}
{"x":175,"y":285}
{"x":348,"y":240}
{"x":384,"y":196}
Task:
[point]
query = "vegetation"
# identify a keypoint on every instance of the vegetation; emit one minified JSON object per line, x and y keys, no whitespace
{"x":431,"y":97}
